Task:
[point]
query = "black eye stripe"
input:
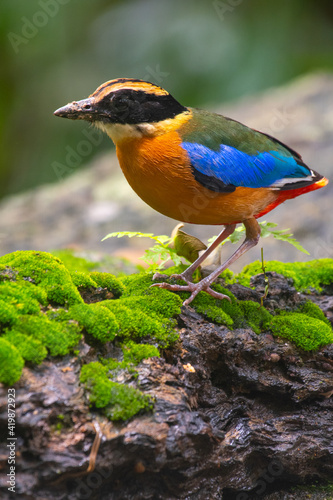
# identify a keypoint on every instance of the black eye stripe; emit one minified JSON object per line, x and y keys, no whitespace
{"x":136,"y":106}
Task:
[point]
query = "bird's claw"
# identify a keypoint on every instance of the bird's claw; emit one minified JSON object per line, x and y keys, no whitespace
{"x":194,"y":288}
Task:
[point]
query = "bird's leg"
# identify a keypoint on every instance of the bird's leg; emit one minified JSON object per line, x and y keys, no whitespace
{"x":252,"y":237}
{"x":187,"y":274}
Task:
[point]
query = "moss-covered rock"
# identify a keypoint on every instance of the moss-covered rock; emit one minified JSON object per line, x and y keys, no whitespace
{"x":107,"y":280}
{"x":306,"y":332}
{"x":312,"y":274}
{"x":138,"y":284}
{"x":135,"y":353}
{"x":8,"y":314}
{"x":82,"y":280}
{"x":59,"y":338}
{"x":23,"y":295}
{"x":165,"y":305}
{"x":98,"y":280}
{"x":42,"y":312}
{"x":314,"y":311}
{"x":136,"y":324}
{"x":256,"y":316}
{"x":218,"y":311}
{"x":30,"y":348}
{"x":119,"y":401}
{"x":41,"y":268}
{"x":11,"y":363}
{"x":232,"y":313}
{"x":97,"y":320}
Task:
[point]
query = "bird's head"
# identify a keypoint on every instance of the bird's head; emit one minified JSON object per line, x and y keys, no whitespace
{"x":125,"y":107}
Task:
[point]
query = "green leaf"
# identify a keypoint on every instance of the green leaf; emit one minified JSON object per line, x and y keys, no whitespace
{"x":130,"y":234}
{"x":237,"y":235}
{"x":180,"y":244}
{"x":266,"y":230}
{"x":281,"y":234}
{"x":292,"y":241}
{"x":185,"y":245}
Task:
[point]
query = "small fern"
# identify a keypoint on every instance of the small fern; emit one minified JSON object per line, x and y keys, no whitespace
{"x":180,"y":244}
{"x":280,"y":234}
{"x":157,"y":255}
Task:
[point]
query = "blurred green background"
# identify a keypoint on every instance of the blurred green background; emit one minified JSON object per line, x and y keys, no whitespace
{"x":203,"y":52}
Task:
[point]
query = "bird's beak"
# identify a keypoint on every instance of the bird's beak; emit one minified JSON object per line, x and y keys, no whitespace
{"x":78,"y":110}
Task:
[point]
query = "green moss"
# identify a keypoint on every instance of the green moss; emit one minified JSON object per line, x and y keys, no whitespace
{"x":95,"y":376}
{"x":96,"y":280}
{"x":44,"y":269}
{"x":135,"y":324}
{"x":165,"y":305}
{"x":113,"y":364}
{"x":97,"y":320}
{"x":30,"y":348}
{"x":311,"y":309}
{"x":106,"y":280}
{"x":306,"y":332}
{"x":308,"y":327}
{"x":59,"y":314}
{"x":315,"y":490}
{"x":126,"y":401}
{"x":139,"y":284}
{"x":228,"y":277}
{"x":8,"y":314}
{"x":59,"y":338}
{"x":34,"y":284}
{"x":135,"y":353}
{"x":234,"y":313}
{"x":314,"y":273}
{"x":30,"y":282}
{"x":119,"y":401}
{"x":25,"y":296}
{"x":11,"y":363}
{"x":31,"y":328}
{"x":82,"y":280}
{"x":232,"y":307}
{"x":74,"y":263}
{"x":212,"y":309}
{"x":257,"y":317}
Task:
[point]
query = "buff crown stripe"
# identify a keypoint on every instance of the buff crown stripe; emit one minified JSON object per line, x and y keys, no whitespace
{"x":115,"y":85}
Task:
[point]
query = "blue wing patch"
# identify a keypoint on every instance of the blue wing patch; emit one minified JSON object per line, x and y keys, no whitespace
{"x":233,"y":167}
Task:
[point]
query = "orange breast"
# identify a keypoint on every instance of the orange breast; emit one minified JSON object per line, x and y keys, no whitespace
{"x":159,"y":171}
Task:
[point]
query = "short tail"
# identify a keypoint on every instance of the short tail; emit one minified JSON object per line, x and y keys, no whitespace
{"x":311,"y":183}
{"x":317,"y":181}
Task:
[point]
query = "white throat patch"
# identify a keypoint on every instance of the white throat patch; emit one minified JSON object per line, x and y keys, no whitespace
{"x":120,"y":132}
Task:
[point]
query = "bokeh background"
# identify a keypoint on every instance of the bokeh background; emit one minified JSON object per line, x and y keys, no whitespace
{"x":204,"y":52}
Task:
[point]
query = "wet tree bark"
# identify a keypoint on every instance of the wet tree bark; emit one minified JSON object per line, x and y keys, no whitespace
{"x":237,"y":415}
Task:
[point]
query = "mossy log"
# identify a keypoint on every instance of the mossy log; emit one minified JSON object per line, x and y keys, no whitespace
{"x":126,"y":395}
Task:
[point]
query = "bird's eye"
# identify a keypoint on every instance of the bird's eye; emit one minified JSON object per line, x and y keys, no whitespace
{"x":120,"y":104}
{"x":87,"y":106}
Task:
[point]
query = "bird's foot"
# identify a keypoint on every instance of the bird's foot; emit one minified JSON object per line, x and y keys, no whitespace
{"x":194,"y":288}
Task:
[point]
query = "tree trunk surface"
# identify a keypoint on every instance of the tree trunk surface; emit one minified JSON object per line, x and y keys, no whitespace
{"x":237,"y":416}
